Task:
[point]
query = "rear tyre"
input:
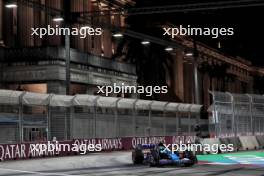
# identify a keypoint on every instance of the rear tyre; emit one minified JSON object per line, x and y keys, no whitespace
{"x":155,"y":157}
{"x":137,"y":155}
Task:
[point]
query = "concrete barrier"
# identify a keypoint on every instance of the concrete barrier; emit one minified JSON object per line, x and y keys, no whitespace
{"x":236,"y":143}
{"x":260,"y":140}
{"x":224,"y":141}
{"x":249,"y":142}
{"x":239,"y":143}
{"x":212,"y":142}
{"x":227,"y":142}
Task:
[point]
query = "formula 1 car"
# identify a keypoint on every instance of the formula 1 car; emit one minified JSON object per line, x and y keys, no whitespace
{"x":158,"y":155}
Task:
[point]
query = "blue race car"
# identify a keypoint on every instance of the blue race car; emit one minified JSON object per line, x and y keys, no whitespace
{"x":158,"y":155}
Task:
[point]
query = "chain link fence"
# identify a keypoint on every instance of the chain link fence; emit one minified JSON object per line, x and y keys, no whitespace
{"x":26,"y":117}
{"x":9,"y":123}
{"x":236,"y":114}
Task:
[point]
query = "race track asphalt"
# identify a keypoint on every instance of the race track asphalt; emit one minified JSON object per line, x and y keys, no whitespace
{"x":116,"y":164}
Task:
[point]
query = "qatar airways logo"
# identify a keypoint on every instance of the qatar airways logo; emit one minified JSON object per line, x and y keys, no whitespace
{"x":83,"y":32}
{"x":49,"y":148}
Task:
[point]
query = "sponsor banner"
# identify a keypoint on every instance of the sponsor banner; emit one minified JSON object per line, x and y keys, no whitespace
{"x":30,"y":150}
{"x":64,"y":148}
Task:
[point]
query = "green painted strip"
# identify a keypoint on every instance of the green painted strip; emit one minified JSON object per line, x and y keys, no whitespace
{"x":224,"y":158}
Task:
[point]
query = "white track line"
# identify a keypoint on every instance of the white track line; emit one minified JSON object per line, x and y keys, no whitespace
{"x":38,"y":173}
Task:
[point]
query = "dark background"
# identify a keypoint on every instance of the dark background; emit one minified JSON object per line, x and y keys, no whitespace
{"x":247,"y":22}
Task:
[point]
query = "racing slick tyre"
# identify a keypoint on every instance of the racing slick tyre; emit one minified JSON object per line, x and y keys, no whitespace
{"x":137,"y":155}
{"x":155,"y":157}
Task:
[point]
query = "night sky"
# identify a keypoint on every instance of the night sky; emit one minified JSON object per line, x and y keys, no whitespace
{"x":247,"y":23}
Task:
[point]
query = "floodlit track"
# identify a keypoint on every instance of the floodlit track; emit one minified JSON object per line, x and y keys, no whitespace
{"x":115,"y":164}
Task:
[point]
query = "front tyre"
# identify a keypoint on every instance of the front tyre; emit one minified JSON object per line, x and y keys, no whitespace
{"x":137,"y":155}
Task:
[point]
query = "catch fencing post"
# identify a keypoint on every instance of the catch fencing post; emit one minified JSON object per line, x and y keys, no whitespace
{"x":164,"y":120}
{"x":116,"y":116}
{"x":134,"y":118}
{"x":95,"y":114}
{"x":71,"y":117}
{"x":252,"y":129}
{"x":48,"y":117}
{"x":215,"y":115}
{"x":234,"y":124}
{"x":20,"y":116}
{"x":149,"y":120}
